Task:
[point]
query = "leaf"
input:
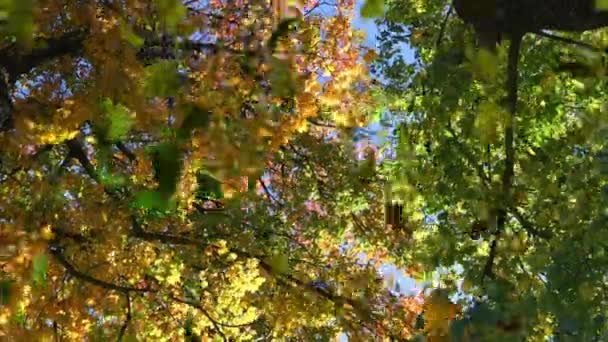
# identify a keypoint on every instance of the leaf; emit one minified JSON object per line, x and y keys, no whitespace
{"x":372,"y":9}
{"x":281,"y":78}
{"x":151,"y":200}
{"x":167,"y":166}
{"x":195,"y":119}
{"x":162,"y":79}
{"x":601,"y":5}
{"x":19,"y":16}
{"x":6,"y":290}
{"x":487,"y":63}
{"x":281,"y":31}
{"x":40,"y":266}
{"x":130,"y":36}
{"x":209,"y":186}
{"x":119,"y":120}
{"x":279,"y":263}
{"x":488,"y":119}
{"x":172,"y":12}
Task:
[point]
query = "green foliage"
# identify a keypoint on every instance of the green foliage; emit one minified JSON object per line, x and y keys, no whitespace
{"x":167,"y":167}
{"x":372,"y":9}
{"x":283,"y":83}
{"x":196,"y":118}
{"x":5,"y":291}
{"x":17,"y":17}
{"x":209,"y":186}
{"x":601,"y":5}
{"x":545,"y":274}
{"x":279,"y":263}
{"x":130,"y":36}
{"x":172,"y":12}
{"x":40,"y":266}
{"x":162,"y":79}
{"x":119,"y":120}
{"x":282,"y":30}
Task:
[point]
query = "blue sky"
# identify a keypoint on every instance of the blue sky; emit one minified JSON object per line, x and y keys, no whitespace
{"x":392,"y":274}
{"x":366,"y":25}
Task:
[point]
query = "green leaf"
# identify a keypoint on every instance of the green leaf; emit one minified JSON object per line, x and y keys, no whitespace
{"x":281,"y":78}
{"x":281,"y":31}
{"x":19,"y":19}
{"x":172,"y":12}
{"x":130,"y":36}
{"x":209,"y":186}
{"x":5,"y":291}
{"x":372,"y":9}
{"x":119,"y":120}
{"x":279,"y":263}
{"x":167,"y":166}
{"x":195,"y":118}
{"x":40,"y":266}
{"x":488,"y":119}
{"x":151,"y":200}
{"x":601,"y":5}
{"x":487,"y":63}
{"x":162,"y":79}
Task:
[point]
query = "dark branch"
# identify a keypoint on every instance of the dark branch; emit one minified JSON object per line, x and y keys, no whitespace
{"x":57,"y":253}
{"x":508,"y":172}
{"x":268,"y":194}
{"x":125,"y":324}
{"x":126,"y":151}
{"x":443,"y":25}
{"x":16,"y":61}
{"x":527,"y":225}
{"x":569,"y":41}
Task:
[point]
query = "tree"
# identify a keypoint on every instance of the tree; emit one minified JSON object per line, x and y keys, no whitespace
{"x":127,"y":125}
{"x":538,"y":268}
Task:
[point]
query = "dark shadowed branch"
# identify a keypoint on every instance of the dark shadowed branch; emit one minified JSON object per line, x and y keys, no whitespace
{"x":127,"y":320}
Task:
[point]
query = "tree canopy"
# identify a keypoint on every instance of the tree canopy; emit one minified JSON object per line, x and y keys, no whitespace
{"x":186,"y":170}
{"x":159,"y":177}
{"x":525,"y":256}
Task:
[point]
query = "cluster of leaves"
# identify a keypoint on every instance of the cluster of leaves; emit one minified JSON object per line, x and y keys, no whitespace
{"x":164,"y":175}
{"x":541,"y":273}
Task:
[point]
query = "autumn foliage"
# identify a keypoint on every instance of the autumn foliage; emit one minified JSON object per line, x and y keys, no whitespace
{"x":164,"y":174}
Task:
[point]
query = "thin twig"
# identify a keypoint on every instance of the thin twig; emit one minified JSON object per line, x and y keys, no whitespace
{"x":268,"y":193}
{"x":56,"y":252}
{"x":569,"y":41}
{"x":125,"y":324}
{"x":215,"y":323}
{"x":443,"y":25}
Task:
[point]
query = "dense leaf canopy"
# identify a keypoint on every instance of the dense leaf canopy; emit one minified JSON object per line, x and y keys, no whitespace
{"x":527,"y":256}
{"x":160,"y":177}
{"x":187,"y":170}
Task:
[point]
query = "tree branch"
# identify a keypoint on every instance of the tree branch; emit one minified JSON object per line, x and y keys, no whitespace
{"x":568,"y":40}
{"x":485,"y":180}
{"x":527,"y":225}
{"x":16,"y":61}
{"x":268,"y":194}
{"x":508,"y":172}
{"x":443,"y":25}
{"x":125,"y":324}
{"x":208,"y":315}
{"x":56,"y":251}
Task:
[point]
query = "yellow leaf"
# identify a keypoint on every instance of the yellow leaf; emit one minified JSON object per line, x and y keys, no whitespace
{"x":47,"y":232}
